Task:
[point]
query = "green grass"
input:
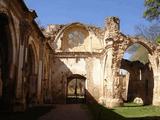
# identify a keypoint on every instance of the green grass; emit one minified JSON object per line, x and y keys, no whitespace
{"x":129,"y":111}
{"x":134,"y":110}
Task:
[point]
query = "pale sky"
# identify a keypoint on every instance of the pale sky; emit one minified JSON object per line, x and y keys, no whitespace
{"x":91,"y":12}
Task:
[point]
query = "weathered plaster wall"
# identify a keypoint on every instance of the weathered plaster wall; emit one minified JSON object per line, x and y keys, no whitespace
{"x":62,"y":43}
{"x":103,"y":51}
{"x":47,"y":61}
{"x":64,"y":67}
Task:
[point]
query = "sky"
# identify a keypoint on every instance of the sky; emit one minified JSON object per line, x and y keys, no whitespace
{"x":91,"y":12}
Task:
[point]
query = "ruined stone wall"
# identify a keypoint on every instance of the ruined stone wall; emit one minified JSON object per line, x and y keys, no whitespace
{"x":102,"y":52}
{"x":140,"y":83}
{"x":118,"y":43}
{"x":37,"y":72}
{"x":65,"y":67}
{"x":26,"y":45}
{"x":75,"y":37}
{"x":79,"y":49}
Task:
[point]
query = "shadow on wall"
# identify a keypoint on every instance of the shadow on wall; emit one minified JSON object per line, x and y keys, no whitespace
{"x":90,"y":99}
{"x":58,"y":83}
{"x":61,"y":76}
{"x":6,"y":82}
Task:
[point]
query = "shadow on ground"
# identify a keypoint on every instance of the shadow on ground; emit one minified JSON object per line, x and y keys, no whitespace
{"x":101,"y":113}
{"x":30,"y":114}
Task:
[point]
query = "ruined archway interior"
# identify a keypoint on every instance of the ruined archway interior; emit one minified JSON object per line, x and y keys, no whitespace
{"x":76,"y":89}
{"x":137,"y":75}
{"x":5,"y":61}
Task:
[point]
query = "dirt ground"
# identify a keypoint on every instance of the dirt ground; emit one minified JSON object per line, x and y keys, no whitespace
{"x":68,"y":112}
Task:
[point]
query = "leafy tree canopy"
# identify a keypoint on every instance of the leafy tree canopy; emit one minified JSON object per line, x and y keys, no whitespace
{"x":152,"y":11}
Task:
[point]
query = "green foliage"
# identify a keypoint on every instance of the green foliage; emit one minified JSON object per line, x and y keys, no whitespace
{"x":149,"y":32}
{"x":152,"y":11}
{"x":158,"y":39}
{"x":136,"y":110}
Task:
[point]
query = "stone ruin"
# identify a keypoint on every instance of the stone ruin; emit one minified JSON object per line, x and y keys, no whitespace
{"x":70,"y":63}
{"x":97,"y":54}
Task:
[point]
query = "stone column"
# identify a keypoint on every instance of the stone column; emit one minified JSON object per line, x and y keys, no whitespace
{"x":155,"y":60}
{"x":19,"y":101}
{"x":40,"y":73}
{"x":20,"y":66}
{"x":112,"y":84}
{"x":50,"y":77}
{"x":112,"y":27}
{"x":108,"y":82}
{"x":39,"y":82}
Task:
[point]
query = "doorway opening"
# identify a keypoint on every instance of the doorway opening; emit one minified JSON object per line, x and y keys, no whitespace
{"x":76,"y":91}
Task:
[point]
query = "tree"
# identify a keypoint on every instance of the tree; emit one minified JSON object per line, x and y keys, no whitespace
{"x":152,"y":11}
{"x":151,"y":33}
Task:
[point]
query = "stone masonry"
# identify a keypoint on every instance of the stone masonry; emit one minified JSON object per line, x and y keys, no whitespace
{"x":37,"y":65}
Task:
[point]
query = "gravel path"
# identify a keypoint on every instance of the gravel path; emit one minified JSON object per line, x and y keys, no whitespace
{"x":67,"y":112}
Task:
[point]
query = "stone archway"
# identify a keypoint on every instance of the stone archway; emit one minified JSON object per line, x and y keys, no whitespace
{"x":6,"y":55}
{"x":147,"y":85}
{"x":117,"y":45}
{"x":31,"y":79}
{"x":76,"y":91}
{"x":139,"y":76}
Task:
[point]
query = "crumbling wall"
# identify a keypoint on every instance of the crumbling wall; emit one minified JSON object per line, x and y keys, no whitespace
{"x":87,"y":67}
{"x":141,"y":81}
{"x":101,"y":52}
{"x":76,"y":37}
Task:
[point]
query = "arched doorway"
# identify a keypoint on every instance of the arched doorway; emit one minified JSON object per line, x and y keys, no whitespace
{"x":76,"y":92}
{"x":139,"y":75}
{"x":31,"y":82}
{"x":6,"y":85}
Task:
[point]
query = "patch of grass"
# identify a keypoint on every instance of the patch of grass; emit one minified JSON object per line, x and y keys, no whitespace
{"x":134,"y":110}
{"x":129,"y":111}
